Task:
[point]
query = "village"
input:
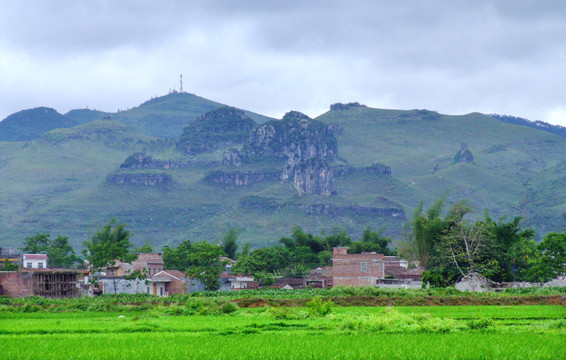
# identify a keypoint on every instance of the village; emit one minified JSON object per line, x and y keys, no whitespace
{"x":35,"y":277}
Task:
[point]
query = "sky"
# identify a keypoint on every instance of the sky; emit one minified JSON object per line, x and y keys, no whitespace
{"x":270,"y":57}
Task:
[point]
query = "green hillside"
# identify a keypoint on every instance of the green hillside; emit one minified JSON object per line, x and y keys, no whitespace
{"x":83,"y":116}
{"x":71,"y":181}
{"x":31,"y":124}
{"x":166,"y":116}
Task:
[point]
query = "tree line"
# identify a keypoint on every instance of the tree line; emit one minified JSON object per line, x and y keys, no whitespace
{"x":450,"y":246}
{"x":445,"y":243}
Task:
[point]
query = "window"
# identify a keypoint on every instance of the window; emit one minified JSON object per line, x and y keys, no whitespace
{"x":40,"y":265}
{"x":161,"y":290}
{"x":154,"y":271}
{"x":149,"y":271}
{"x":28,"y":265}
{"x":364,"y":266}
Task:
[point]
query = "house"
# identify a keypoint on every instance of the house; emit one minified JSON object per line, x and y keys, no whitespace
{"x":54,"y":283}
{"x":146,"y":263}
{"x":34,"y":261}
{"x":235,"y":282}
{"x":365,"y":269}
{"x":319,"y":278}
{"x":170,"y":282}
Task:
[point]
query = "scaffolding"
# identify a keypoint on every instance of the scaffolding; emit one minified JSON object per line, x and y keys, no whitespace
{"x":55,"y":284}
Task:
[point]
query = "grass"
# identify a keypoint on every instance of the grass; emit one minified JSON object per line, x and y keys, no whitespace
{"x":464,"y":332}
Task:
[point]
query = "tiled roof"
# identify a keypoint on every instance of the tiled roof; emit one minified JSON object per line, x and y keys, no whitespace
{"x":293,"y":282}
{"x":176,"y":273}
{"x":153,"y":258}
{"x":35,"y":256}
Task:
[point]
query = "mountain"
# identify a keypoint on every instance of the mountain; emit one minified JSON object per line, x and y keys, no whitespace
{"x":541,"y":125}
{"x":349,"y":167}
{"x":166,"y":116}
{"x":31,"y":124}
{"x":83,"y":116}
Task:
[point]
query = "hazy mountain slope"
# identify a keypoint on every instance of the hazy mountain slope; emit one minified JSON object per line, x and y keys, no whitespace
{"x":83,"y":116}
{"x":31,"y":124}
{"x":420,"y":147}
{"x":166,"y":116}
{"x":63,"y":165}
{"x":537,"y":124}
{"x":70,"y":181}
{"x":547,"y":197}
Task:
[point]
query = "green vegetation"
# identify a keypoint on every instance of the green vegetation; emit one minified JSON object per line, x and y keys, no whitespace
{"x":31,"y":124}
{"x":109,"y":245}
{"x":204,"y":329}
{"x":58,"y":250}
{"x":451,"y":247}
{"x":219,"y":128}
{"x":57,"y":184}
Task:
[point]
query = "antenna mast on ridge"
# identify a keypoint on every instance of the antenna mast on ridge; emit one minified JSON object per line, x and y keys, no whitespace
{"x":181,"y":87}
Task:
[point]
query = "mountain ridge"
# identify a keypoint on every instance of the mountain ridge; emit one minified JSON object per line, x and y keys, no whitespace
{"x":384,"y":162}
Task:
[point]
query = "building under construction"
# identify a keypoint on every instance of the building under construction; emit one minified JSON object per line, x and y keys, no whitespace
{"x":52,"y":283}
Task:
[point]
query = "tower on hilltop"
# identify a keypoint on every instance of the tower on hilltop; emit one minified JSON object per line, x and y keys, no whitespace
{"x":181,"y":86}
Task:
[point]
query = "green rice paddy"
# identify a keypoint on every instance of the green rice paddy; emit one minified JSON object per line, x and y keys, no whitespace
{"x":175,"y":331}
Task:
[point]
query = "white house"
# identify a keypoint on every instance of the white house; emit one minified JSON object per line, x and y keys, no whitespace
{"x":34,"y":261}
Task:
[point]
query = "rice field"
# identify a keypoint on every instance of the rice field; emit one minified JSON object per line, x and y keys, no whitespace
{"x":204,"y":332}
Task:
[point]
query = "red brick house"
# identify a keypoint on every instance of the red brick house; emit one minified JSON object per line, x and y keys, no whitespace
{"x":365,"y":269}
{"x":146,"y":263}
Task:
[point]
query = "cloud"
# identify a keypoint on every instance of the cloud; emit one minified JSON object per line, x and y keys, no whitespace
{"x":270,"y":57}
{"x":557,"y":116}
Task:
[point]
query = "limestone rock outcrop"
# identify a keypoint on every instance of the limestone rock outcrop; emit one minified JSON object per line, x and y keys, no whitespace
{"x":158,"y":179}
{"x":313,"y":176}
{"x":464,"y":156}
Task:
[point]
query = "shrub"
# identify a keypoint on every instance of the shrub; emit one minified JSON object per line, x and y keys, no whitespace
{"x":480,"y":324}
{"x":228,"y":307}
{"x":316,"y":307}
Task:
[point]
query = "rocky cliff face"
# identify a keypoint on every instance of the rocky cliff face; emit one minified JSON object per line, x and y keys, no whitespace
{"x":342,"y":107}
{"x":160,"y":179}
{"x":232,"y":157}
{"x":221,"y":127}
{"x":313,"y":176}
{"x":242,"y":178}
{"x":376,"y":169}
{"x":464,"y":156}
{"x":139,"y":161}
{"x":395,"y":211}
{"x":296,"y":136}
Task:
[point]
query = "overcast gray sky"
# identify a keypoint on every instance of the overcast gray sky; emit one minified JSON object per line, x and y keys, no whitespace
{"x":455,"y":57}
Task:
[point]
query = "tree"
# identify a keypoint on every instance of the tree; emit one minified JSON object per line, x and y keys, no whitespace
{"x":464,"y":246}
{"x":177,"y":258}
{"x":264,"y":260}
{"x":204,"y":264}
{"x":426,"y":231}
{"x":552,"y":260}
{"x":59,"y":252}
{"x":512,"y":247}
{"x":230,"y":244}
{"x":372,"y":241}
{"x":108,"y":245}
{"x":37,"y":244}
{"x":8,"y":265}
{"x":145,"y":249}
{"x":200,"y":260}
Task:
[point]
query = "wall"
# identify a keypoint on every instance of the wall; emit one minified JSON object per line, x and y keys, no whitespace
{"x":124,"y":286}
{"x":34,"y":263}
{"x":16,"y":284}
{"x":347,"y":268}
